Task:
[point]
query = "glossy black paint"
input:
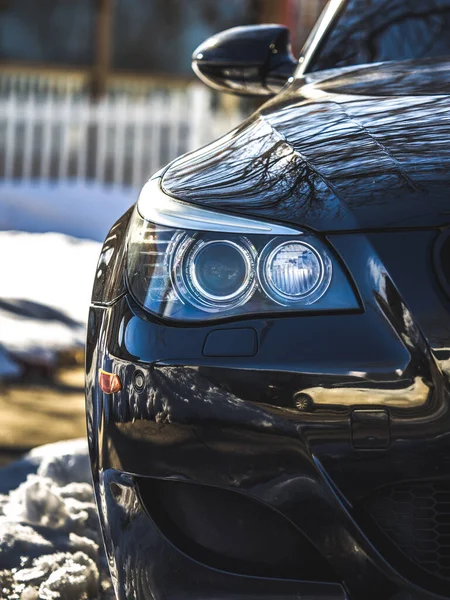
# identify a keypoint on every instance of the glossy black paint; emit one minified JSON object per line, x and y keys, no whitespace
{"x":316,"y":412}
{"x":255,"y":60}
{"x":357,"y":148}
{"x":109,"y":282}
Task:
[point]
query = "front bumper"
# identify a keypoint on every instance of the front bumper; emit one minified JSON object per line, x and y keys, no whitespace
{"x":326,"y":410}
{"x":145,"y":564}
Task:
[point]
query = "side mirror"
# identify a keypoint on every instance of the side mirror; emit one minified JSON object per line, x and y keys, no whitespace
{"x":255,"y":60}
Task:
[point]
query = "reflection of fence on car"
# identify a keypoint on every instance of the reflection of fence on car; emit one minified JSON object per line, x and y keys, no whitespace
{"x":119,"y":139}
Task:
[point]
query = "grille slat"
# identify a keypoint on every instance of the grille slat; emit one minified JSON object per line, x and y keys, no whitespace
{"x":416,"y":518}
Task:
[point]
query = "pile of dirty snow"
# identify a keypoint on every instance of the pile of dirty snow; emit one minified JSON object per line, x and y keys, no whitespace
{"x":50,"y":542}
{"x":50,"y":239}
{"x":45,"y":289}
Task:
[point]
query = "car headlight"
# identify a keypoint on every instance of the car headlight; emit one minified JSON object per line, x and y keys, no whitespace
{"x":189,"y":263}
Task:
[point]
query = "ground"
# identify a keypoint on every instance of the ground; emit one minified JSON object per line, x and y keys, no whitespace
{"x":40,"y":412}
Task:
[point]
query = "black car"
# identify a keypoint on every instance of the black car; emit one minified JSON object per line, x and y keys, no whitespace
{"x":268,"y":351}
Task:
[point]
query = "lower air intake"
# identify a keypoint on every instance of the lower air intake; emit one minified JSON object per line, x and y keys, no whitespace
{"x":229,"y":531}
{"x":416,"y":519}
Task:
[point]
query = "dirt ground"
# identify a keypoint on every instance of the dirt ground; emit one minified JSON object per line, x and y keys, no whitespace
{"x":40,"y":412}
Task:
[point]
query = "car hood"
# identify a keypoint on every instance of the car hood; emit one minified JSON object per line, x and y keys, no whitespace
{"x":347,"y":149}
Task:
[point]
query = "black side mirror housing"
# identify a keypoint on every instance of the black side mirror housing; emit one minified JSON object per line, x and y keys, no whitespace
{"x":254,"y":60}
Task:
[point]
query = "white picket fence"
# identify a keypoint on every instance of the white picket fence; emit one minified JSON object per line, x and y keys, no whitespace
{"x":118,"y":140}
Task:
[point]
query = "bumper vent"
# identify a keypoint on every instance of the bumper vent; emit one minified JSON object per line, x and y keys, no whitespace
{"x":229,"y":531}
{"x":416,"y":519}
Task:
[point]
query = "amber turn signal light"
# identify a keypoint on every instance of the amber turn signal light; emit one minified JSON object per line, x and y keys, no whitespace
{"x":109,"y":382}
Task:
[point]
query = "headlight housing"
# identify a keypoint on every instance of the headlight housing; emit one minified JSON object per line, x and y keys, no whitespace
{"x":192,"y":264}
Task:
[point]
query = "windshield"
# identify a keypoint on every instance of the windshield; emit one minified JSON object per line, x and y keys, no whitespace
{"x":368,"y":31}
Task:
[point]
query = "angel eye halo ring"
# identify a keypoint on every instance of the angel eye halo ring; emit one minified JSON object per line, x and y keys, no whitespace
{"x":217,"y":274}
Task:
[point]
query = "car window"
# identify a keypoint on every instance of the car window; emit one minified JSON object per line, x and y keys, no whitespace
{"x":368,"y":31}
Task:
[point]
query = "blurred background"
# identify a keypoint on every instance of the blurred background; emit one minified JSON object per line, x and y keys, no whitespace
{"x":95,"y":96}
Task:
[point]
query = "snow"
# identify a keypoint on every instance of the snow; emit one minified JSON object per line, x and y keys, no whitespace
{"x":50,"y":542}
{"x":45,"y":288}
{"x":49,"y":269}
{"x":78,"y":209}
{"x":50,"y":236}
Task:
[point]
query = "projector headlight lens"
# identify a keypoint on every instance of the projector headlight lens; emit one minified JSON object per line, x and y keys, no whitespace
{"x":215,"y":274}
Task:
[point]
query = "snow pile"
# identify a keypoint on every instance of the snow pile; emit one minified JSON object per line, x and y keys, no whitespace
{"x":60,"y":575}
{"x":82,"y":210}
{"x":50,"y":542}
{"x":45,"y":288}
{"x":50,"y":236}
